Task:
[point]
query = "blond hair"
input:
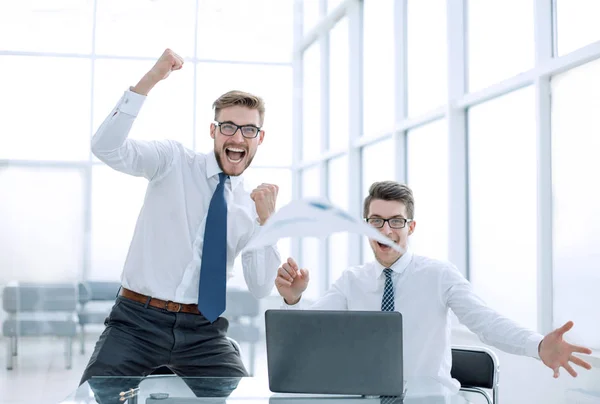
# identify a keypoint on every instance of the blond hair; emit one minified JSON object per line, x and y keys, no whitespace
{"x":235,"y":97}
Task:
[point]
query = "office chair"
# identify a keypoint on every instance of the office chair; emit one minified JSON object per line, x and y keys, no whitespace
{"x":476,"y":368}
{"x":38,"y":309}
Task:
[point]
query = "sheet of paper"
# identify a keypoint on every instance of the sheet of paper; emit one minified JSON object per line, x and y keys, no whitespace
{"x":313,"y":218}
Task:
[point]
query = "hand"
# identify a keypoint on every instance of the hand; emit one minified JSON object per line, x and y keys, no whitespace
{"x":291,"y":282}
{"x":168,"y":62}
{"x":265,"y":199}
{"x":556,"y":352}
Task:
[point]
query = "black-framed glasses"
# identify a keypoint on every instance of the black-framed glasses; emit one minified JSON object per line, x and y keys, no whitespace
{"x":229,"y":129}
{"x":395,"y":222}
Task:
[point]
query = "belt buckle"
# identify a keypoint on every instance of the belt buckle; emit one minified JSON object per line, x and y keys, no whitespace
{"x":175,"y":311}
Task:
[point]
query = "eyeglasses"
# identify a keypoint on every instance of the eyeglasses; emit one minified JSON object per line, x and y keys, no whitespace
{"x":395,"y":222}
{"x":230,"y":128}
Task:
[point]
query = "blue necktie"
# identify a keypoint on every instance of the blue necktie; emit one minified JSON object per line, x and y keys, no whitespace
{"x":213,"y":267}
{"x":387,"y":301}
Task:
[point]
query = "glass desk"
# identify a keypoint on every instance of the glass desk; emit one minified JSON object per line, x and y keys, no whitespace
{"x":224,"y":390}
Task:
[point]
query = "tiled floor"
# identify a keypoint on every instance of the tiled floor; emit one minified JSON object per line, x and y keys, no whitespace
{"x":39,"y":374}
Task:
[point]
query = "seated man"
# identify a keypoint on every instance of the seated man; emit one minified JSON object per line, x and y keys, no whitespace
{"x":423,"y":290}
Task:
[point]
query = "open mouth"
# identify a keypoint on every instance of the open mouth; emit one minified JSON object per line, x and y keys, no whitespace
{"x":235,"y":154}
{"x":384,"y":247}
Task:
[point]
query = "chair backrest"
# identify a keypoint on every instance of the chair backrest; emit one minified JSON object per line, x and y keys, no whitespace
{"x":98,"y":291}
{"x":39,"y":297}
{"x":474,"y":367}
{"x":241,"y":303}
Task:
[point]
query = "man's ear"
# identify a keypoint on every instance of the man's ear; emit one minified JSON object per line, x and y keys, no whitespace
{"x":411,"y":227}
{"x":261,"y":137}
{"x":212,"y":130}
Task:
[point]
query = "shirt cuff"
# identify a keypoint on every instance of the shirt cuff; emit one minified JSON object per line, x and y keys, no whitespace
{"x":532,"y":346}
{"x":286,"y":306}
{"x":131,"y":103}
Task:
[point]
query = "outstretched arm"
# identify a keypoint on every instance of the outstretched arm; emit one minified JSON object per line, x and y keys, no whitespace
{"x":149,"y":159}
{"x":496,"y":330}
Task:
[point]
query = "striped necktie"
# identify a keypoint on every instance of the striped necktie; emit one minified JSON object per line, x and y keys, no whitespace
{"x":387,"y":301}
{"x":387,"y":304}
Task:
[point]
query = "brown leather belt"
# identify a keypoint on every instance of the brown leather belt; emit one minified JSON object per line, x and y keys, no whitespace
{"x":158,"y":303}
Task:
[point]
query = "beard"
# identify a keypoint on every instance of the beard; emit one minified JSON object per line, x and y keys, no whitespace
{"x":221,"y":156}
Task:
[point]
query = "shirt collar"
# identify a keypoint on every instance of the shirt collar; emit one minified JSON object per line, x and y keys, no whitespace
{"x":213,"y":169}
{"x":399,"y":266}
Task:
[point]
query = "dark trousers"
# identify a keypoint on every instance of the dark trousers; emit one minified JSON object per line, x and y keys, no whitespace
{"x":139,"y":339}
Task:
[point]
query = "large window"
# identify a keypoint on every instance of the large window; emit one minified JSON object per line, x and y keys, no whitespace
{"x":311,"y":12}
{"x":338,"y":195}
{"x":428,"y":179}
{"x":377,"y":165}
{"x":171,"y":100}
{"x":145,"y":28}
{"x":311,"y":104}
{"x":332,"y":4}
{"x":46,"y":26}
{"x":42,"y":213}
{"x":338,"y":86}
{"x":496,"y":52}
{"x":577,"y":24}
{"x":378,"y":67}
{"x":311,"y":250}
{"x":44,"y":88}
{"x":426,"y":55}
{"x":503,"y":204}
{"x":257,"y":30}
{"x":377,"y":162}
{"x":485,"y":174}
{"x":64,"y":66}
{"x":576,"y":223}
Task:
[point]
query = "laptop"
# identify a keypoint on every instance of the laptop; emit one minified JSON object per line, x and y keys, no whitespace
{"x":335,"y":352}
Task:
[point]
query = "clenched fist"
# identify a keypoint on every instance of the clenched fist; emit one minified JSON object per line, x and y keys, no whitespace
{"x":265,"y":199}
{"x":291,"y":282}
{"x":168,"y":62}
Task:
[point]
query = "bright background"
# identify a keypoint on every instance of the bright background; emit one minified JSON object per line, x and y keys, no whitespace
{"x":487,"y":109}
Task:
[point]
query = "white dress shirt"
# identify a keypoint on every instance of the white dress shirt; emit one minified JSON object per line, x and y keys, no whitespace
{"x":425,"y":289}
{"x":165,"y":252}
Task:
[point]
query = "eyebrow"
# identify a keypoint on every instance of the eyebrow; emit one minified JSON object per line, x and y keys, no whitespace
{"x":246,"y":124}
{"x":392,"y":217}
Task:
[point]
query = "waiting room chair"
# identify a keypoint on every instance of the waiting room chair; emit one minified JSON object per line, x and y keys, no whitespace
{"x":39,"y":309}
{"x":242,"y":312}
{"x":96,"y":299}
{"x":476,"y":368}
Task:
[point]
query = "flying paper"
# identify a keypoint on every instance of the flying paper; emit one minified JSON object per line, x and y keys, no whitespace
{"x":313,"y":218}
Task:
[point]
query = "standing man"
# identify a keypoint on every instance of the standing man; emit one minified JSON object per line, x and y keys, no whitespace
{"x":423,"y":290}
{"x":195,"y":220}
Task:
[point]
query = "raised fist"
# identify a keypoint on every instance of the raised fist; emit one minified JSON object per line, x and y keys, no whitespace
{"x":169,"y":61}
